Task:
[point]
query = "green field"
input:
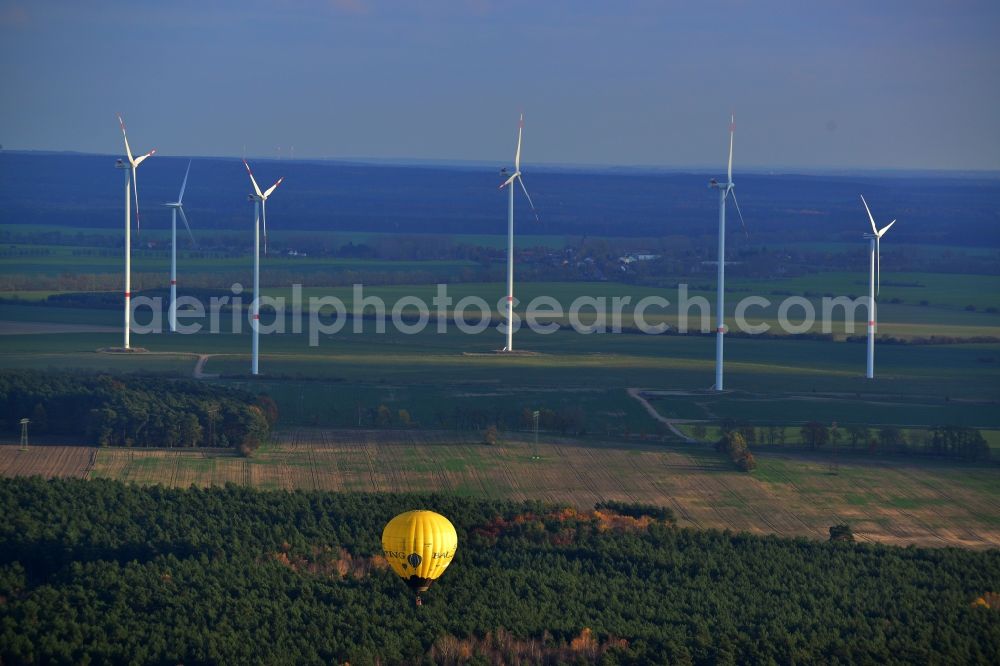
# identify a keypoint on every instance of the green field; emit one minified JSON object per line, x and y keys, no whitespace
{"x":903,"y":320}
{"x":431,"y":375}
{"x":148,"y":262}
{"x":932,"y":299}
{"x":449,"y":379}
{"x":159,"y":232}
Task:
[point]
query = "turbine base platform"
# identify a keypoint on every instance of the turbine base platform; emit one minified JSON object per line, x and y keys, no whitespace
{"x":504,"y":352}
{"x":122,"y":350}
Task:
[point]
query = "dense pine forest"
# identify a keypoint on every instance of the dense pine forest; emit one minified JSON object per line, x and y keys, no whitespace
{"x":135,"y":410}
{"x":98,"y":572}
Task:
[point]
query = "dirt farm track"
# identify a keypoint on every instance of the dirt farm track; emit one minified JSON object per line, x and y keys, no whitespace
{"x":885,"y":500}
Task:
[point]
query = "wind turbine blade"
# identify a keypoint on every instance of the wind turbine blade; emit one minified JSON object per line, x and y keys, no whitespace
{"x":187,"y":226}
{"x":273,"y":187}
{"x":253,"y":180}
{"x":530,"y":203}
{"x":742,"y":224}
{"x":517,"y":155}
{"x":509,"y":180}
{"x":870,"y":218}
{"x":135,"y":193}
{"x":881,"y":232}
{"x":128,"y":150}
{"x":180,"y":198}
{"x":878,"y":266}
{"x":142,"y":158}
{"x":263,"y":216}
{"x":732,"y":130}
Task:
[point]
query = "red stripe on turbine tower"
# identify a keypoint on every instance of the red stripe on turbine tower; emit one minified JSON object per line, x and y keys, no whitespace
{"x":128,"y":294}
{"x":510,"y":299}
{"x":173,"y":282}
{"x":721,"y":329}
{"x":256,"y":316}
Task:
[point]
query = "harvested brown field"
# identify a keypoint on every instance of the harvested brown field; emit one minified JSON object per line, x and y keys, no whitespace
{"x":884,"y":500}
{"x":46,"y":461}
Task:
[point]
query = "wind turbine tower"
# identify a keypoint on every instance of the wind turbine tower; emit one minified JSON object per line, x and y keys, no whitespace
{"x":130,"y":183}
{"x":509,"y":183}
{"x":874,"y":278}
{"x":176,"y":207}
{"x":725,"y":190}
{"x":259,"y":214}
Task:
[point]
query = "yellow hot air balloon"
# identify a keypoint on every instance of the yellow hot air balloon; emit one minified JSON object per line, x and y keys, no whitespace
{"x":419,"y":546}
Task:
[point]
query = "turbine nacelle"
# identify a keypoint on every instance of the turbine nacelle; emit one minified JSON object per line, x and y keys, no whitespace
{"x":876,"y":232}
{"x":178,"y":206}
{"x":516,"y":176}
{"x":134,"y":161}
{"x":133,"y":164}
{"x":257,"y":195}
{"x":511,"y":179}
{"x":728,"y":187}
{"x":876,"y":235}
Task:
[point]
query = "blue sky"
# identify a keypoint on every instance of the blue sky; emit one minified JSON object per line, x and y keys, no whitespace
{"x":814,"y":85}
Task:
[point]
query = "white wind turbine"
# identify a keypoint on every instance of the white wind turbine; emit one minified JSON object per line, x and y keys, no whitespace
{"x":516,"y":176}
{"x":874,"y":280}
{"x":259,"y":211}
{"x":130,"y":183}
{"x":176,"y":207}
{"x":725,"y":189}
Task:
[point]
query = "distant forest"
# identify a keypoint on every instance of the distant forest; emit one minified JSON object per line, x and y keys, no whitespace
{"x":85,"y":190}
{"x":135,"y":410}
{"x":103,"y":572}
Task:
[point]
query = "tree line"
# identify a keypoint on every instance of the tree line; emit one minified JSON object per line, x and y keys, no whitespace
{"x":135,"y":410}
{"x":947,"y":441}
{"x":104,"y":572}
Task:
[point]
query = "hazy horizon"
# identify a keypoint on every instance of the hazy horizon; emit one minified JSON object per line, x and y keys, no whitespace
{"x":456,"y":163}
